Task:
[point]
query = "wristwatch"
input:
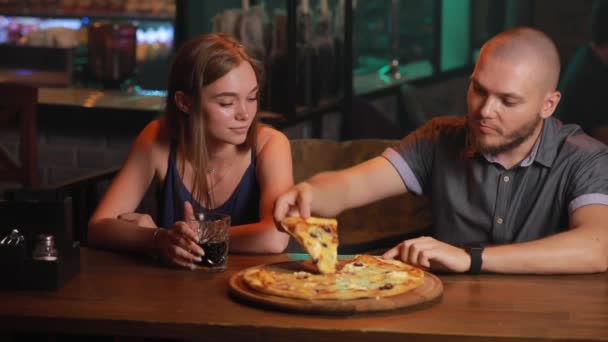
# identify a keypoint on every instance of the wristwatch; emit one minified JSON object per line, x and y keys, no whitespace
{"x":475,"y":252}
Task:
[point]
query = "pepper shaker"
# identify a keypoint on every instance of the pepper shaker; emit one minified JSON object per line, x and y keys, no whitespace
{"x":45,"y":248}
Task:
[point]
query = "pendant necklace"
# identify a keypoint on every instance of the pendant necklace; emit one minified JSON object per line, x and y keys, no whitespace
{"x":211,"y":172}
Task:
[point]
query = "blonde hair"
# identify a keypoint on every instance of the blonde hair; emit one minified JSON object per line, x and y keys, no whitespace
{"x":200,"y":62}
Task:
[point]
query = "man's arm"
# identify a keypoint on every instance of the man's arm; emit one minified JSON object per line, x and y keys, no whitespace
{"x":581,"y":249}
{"x":329,"y":193}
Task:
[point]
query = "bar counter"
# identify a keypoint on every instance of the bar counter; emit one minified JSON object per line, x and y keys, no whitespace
{"x":125,"y":295}
{"x":148,"y":101}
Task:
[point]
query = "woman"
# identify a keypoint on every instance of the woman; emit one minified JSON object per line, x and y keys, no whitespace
{"x":210,"y":155}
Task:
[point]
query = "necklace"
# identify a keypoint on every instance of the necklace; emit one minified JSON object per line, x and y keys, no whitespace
{"x":213,"y":171}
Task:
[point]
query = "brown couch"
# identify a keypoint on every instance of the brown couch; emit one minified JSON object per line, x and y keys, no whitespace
{"x":370,"y":228}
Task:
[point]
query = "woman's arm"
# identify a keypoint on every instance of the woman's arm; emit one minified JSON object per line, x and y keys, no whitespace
{"x":274,"y":172}
{"x":106,"y":229}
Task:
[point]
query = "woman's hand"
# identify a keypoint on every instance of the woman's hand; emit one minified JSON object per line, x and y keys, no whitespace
{"x":179,"y":245}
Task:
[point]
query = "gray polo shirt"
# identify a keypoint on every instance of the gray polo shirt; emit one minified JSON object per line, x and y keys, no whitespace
{"x":476,"y":200}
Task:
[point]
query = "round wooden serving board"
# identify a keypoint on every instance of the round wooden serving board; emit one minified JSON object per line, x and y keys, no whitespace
{"x":429,"y":292}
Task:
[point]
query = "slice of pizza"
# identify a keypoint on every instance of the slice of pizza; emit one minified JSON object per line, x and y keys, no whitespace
{"x":319,"y":236}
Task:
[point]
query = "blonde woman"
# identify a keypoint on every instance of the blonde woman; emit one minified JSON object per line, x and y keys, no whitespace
{"x":210,"y":155}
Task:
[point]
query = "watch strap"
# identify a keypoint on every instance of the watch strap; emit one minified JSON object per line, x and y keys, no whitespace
{"x":475,"y":252}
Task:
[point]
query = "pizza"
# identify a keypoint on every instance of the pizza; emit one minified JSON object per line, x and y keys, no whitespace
{"x":364,"y":276}
{"x":319,"y":236}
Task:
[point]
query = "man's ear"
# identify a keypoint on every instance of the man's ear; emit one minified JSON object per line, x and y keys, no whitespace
{"x":550,"y":103}
{"x":182,"y":101}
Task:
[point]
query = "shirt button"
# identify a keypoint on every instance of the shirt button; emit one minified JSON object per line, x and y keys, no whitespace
{"x":499,"y":220}
{"x":506,"y":178}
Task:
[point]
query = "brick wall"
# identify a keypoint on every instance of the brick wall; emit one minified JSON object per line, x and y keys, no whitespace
{"x":64,"y":157}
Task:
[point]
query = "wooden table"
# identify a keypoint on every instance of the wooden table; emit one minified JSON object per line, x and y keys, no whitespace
{"x":117,"y":294}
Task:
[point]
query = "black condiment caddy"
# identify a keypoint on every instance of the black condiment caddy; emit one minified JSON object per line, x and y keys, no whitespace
{"x":35,"y":213}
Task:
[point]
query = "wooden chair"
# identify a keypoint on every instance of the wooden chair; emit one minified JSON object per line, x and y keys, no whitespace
{"x":85,"y":191}
{"x":18,"y":104}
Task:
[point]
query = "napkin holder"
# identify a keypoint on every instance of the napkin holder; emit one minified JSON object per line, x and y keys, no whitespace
{"x":35,"y":213}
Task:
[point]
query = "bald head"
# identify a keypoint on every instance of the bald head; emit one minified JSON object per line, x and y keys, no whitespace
{"x":527,"y":45}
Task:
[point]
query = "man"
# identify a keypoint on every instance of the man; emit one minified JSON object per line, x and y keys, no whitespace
{"x":584,"y":84}
{"x":512,"y":189}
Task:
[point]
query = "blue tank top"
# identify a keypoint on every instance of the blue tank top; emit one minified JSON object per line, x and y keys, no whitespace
{"x":242,"y":206}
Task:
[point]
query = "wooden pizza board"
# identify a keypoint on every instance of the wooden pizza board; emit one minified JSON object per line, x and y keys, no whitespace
{"x":428,"y":293}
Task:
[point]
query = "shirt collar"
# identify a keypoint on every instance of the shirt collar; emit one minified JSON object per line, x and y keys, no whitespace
{"x":524,"y":163}
{"x":549,"y":142}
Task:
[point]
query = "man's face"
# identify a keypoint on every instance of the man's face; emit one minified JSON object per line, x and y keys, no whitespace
{"x":504,"y":104}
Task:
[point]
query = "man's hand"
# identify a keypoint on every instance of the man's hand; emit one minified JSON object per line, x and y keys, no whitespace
{"x":429,"y":253}
{"x":295,"y":202}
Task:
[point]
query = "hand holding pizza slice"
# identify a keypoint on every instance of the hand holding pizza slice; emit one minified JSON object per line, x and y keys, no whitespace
{"x":319,"y":236}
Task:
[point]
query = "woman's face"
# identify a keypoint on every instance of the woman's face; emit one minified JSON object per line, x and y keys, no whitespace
{"x":230,"y":105}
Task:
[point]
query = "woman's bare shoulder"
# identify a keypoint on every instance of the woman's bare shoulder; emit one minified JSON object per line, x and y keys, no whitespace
{"x":153,"y":135}
{"x":269,"y":136}
{"x":153,"y":141}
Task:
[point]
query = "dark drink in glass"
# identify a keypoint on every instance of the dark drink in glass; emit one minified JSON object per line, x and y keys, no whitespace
{"x":213,"y":233}
{"x":215,"y":254}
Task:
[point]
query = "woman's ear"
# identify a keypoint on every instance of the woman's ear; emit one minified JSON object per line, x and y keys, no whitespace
{"x":182,"y":101}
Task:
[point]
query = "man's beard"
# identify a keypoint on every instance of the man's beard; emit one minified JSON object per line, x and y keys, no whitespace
{"x":513,"y":140}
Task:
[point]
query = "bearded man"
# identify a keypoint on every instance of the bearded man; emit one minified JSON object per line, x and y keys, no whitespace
{"x":512,"y":189}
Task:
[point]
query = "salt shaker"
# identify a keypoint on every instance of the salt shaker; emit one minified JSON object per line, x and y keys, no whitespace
{"x":45,"y":248}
